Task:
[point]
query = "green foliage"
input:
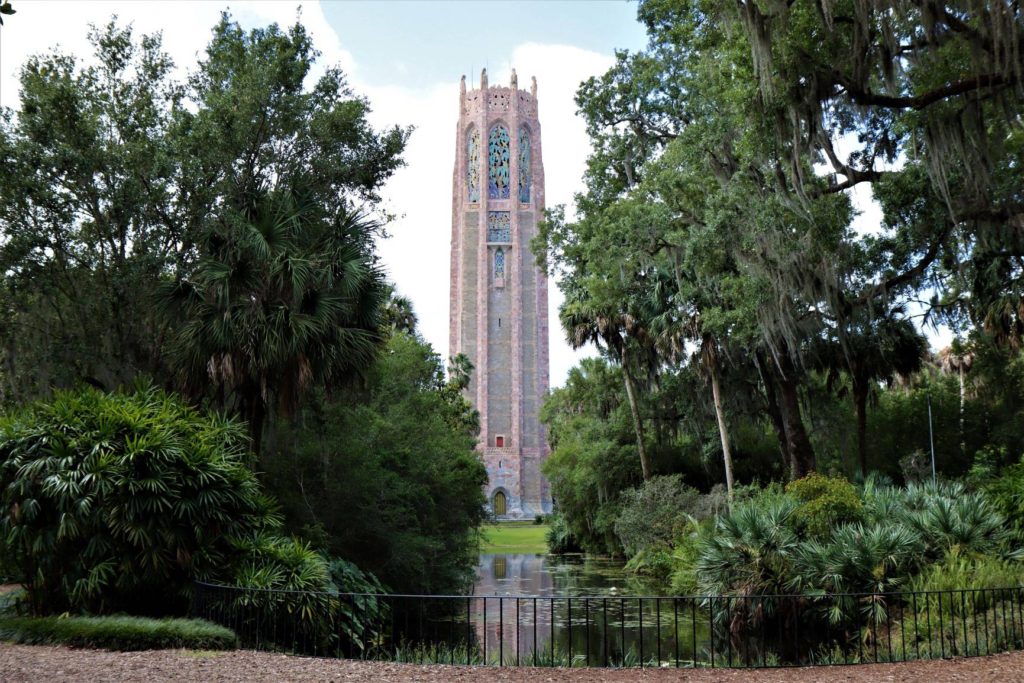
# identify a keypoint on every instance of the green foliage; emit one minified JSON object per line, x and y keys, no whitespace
{"x":1006,"y":492}
{"x":117,"y":501}
{"x":117,"y":633}
{"x":185,"y":198}
{"x":685,"y":553}
{"x":969,"y":573}
{"x":750,"y":551}
{"x":593,"y":454}
{"x":304,"y":284}
{"x":387,"y":476}
{"x":654,"y":514}
{"x":858,"y":558}
{"x":559,"y":538}
{"x":825,"y":502}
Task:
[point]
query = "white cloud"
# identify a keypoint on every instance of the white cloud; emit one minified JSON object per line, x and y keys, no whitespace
{"x":417,"y":255}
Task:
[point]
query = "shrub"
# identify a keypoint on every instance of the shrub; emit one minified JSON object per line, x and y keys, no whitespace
{"x":651,"y":561}
{"x":749,"y":552}
{"x":117,"y":633}
{"x":652,"y":515}
{"x":685,"y":553}
{"x":559,"y":537}
{"x":116,"y":501}
{"x":858,"y":558}
{"x":825,"y":502}
{"x":1006,"y":493}
{"x":952,"y":520}
{"x":969,"y":573}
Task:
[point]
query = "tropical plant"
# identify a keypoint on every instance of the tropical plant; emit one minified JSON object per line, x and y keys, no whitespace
{"x":117,"y":501}
{"x":288,"y":298}
{"x":749,"y":551}
{"x":192,"y":172}
{"x":559,"y":538}
{"x":868,"y":350}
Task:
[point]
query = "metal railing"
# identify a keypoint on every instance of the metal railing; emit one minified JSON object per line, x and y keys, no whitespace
{"x":684,"y":631}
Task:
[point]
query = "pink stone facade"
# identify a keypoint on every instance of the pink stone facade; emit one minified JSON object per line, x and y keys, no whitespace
{"x":500,"y":319}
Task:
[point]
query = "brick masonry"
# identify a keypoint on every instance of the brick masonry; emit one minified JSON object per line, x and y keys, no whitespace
{"x":501,"y":323}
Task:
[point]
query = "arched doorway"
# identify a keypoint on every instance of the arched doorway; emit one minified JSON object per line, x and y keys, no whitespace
{"x":499,"y":505}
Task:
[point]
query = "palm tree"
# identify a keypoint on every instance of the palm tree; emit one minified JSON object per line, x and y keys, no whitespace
{"x":673,"y":327}
{"x":286,"y":296}
{"x":958,"y":358}
{"x":608,"y":327}
{"x":870,"y":350}
{"x":399,"y":314}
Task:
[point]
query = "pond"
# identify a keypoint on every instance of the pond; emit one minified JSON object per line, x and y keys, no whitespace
{"x":559,"y":576}
{"x":577,"y":608}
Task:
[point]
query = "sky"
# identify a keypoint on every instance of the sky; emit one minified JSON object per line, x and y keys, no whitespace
{"x":407,"y":58}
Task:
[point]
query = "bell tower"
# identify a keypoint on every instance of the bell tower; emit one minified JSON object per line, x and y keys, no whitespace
{"x":499,"y":299}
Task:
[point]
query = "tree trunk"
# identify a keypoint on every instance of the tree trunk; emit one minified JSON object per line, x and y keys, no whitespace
{"x":774,"y":413}
{"x":963,"y":400}
{"x":723,"y":432}
{"x":796,"y":437}
{"x":634,"y":409}
{"x":860,"y":402}
{"x":256,"y":417}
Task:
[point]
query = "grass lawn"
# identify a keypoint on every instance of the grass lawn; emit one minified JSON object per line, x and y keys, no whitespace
{"x":515,"y":537}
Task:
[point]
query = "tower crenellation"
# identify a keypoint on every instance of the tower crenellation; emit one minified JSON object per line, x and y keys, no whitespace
{"x":498,"y":294}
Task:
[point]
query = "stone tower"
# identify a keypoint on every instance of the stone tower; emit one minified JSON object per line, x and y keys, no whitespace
{"x":499,"y":298}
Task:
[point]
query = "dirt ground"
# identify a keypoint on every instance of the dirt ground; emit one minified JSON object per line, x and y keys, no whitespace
{"x":20,"y":663}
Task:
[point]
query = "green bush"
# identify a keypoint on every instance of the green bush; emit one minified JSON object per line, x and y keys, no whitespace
{"x":825,"y":502}
{"x":652,"y":515}
{"x":750,"y":551}
{"x":559,"y":537}
{"x":858,"y":558}
{"x":117,"y":633}
{"x":1006,"y":492}
{"x":685,"y":553}
{"x":389,"y":473}
{"x":116,"y":502}
{"x":969,"y":573}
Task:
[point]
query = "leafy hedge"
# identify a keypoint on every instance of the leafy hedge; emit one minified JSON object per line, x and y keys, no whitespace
{"x":116,"y":502}
{"x":117,"y":633}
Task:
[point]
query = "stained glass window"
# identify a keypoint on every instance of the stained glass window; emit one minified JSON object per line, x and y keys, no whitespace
{"x":524,"y":164}
{"x":499,"y":264}
{"x":498,"y":154}
{"x":499,"y":226}
{"x":473,"y":166}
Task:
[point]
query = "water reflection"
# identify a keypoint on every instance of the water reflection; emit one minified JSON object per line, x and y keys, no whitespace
{"x":557,"y":576}
{"x":533,"y":606}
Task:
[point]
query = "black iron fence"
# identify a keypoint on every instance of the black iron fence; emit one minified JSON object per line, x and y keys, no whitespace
{"x":690,"y":631}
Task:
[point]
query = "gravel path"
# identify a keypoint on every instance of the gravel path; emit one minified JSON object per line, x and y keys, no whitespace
{"x":20,"y":663}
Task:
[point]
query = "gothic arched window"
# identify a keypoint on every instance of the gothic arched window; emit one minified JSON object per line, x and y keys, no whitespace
{"x":499,"y":264}
{"x":524,"y":164}
{"x":498,"y":154}
{"x":473,"y":165}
